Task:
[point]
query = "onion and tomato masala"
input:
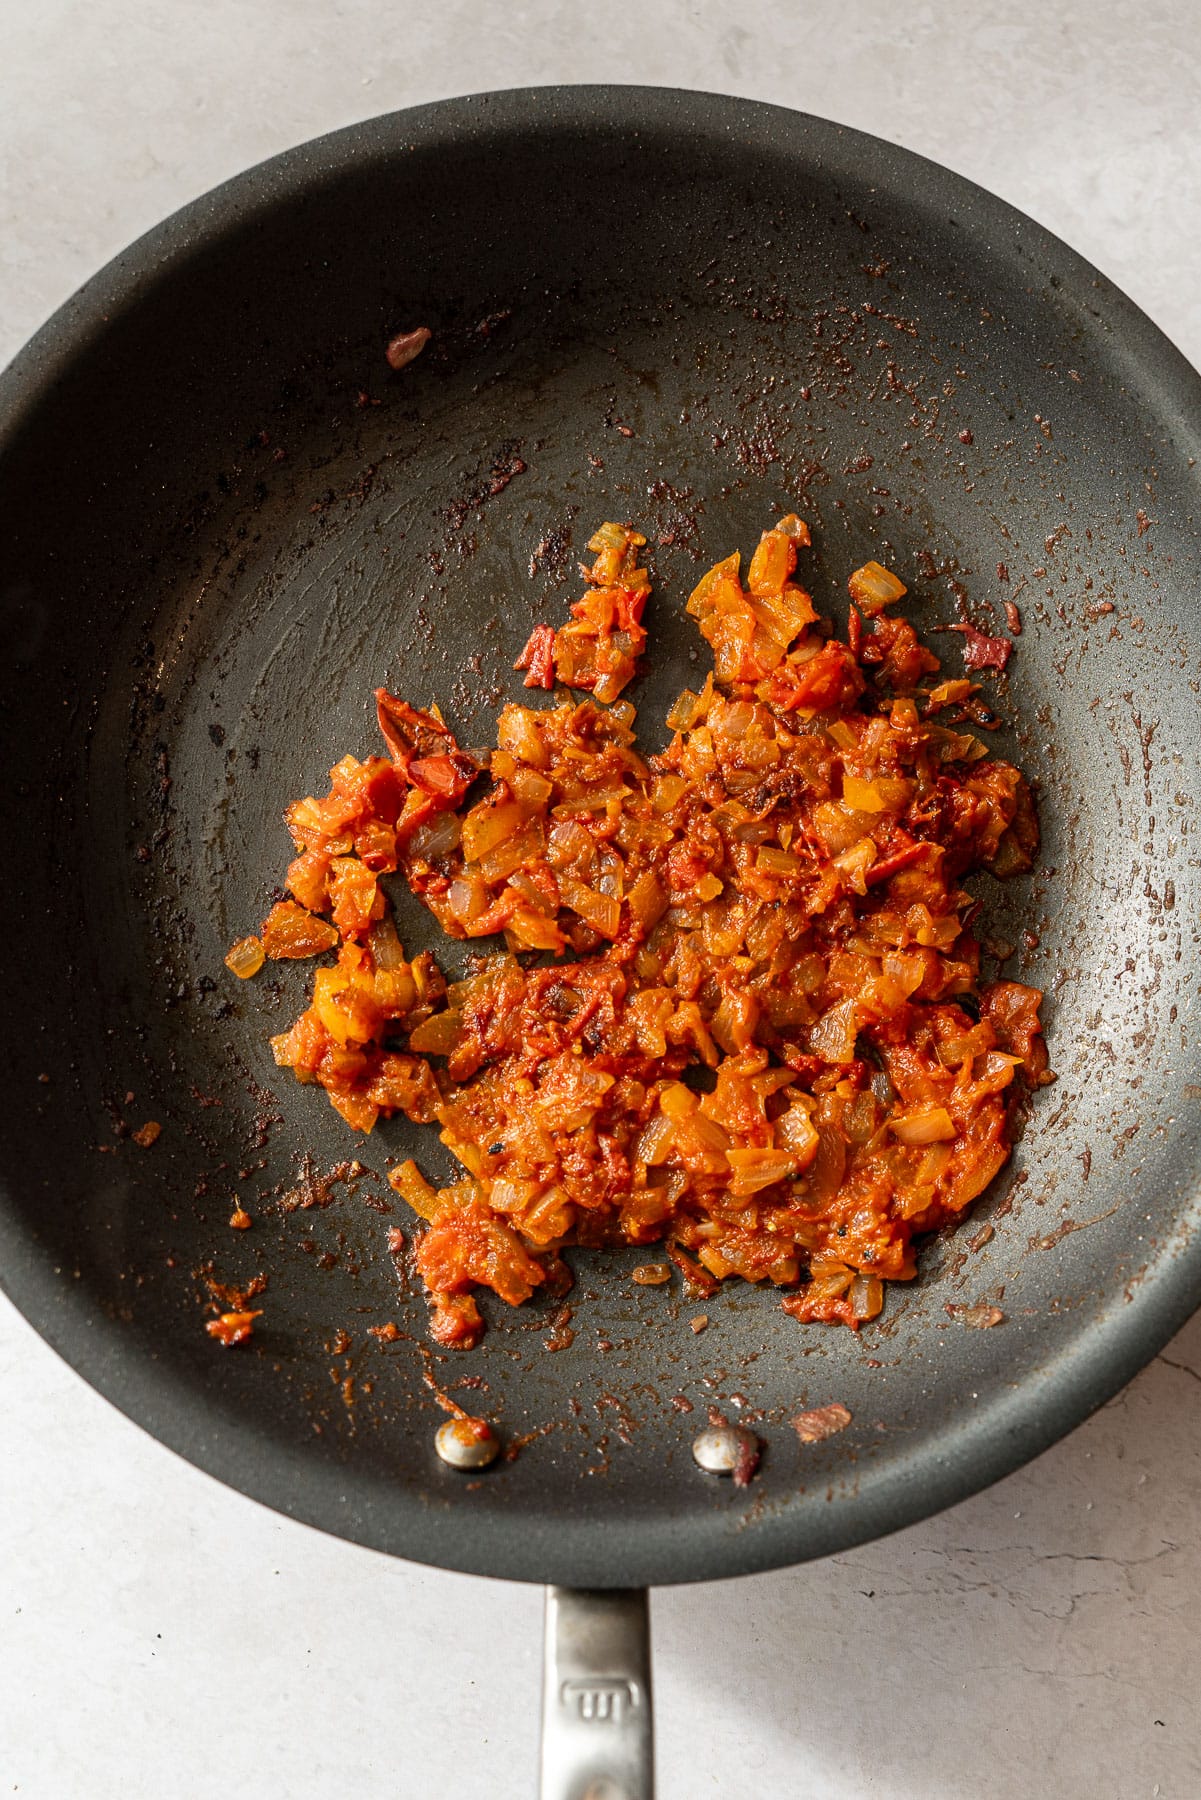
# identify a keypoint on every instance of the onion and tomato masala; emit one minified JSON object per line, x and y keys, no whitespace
{"x":739,"y":1009}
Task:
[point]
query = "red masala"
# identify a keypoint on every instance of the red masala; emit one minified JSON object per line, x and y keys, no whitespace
{"x":738,"y":1011}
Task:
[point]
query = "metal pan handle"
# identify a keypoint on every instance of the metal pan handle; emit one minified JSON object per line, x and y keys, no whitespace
{"x":597,"y":1727}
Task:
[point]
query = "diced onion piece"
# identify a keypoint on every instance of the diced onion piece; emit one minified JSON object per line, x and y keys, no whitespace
{"x":949,"y":693}
{"x":530,"y":789}
{"x":489,"y":824}
{"x":833,"y":1037}
{"x":533,"y":930}
{"x":667,"y":791}
{"x":701,"y":599}
{"x":753,"y":1169}
{"x":519,"y":734}
{"x":733,"y":1024}
{"x":933,"y":1164}
{"x":437,"y":1035}
{"x":863,"y":796}
{"x":873,"y":587}
{"x":678,"y":1101}
{"x":549,"y":1217}
{"x":829,"y":1165}
{"x":925,"y":1125}
{"x":408,"y":1181}
{"x":395,"y":991}
{"x":348,"y":1013}
{"x":507,"y":1195}
{"x":308,"y":879}
{"x":433,"y":842}
{"x":245,"y":958}
{"x":839,"y":827}
{"x":386,"y":947}
{"x":654,"y":1140}
{"x":715,"y":1262}
{"x":467,"y":899}
{"x":867,"y":1296}
{"x":772,"y":564}
{"x":828,"y":1280}
{"x":508,"y":856}
{"x":601,"y":911}
{"x":796,"y":1132}
{"x":855,"y":863}
{"x":593,"y":800}
{"x":905,"y":969}
{"x":680,"y":715}
{"x":289,"y":932}
{"x":777,"y":862}
{"x":648,"y":901}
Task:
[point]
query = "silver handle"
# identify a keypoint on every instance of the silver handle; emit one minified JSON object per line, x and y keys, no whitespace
{"x":597,"y":1730}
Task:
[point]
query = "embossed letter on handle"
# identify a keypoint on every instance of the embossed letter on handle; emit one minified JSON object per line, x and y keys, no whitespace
{"x":597,"y":1735}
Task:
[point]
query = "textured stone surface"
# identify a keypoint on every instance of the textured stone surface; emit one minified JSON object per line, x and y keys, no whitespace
{"x":161,"y":1636}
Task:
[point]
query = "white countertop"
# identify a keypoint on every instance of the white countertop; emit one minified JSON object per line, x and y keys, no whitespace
{"x":162,"y":1638}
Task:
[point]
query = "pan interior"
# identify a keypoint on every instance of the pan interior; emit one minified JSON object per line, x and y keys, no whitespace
{"x":225,"y":520}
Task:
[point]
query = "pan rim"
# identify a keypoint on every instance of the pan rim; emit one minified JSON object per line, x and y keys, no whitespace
{"x":1097,"y":1361}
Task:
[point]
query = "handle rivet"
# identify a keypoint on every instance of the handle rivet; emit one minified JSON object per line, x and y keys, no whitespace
{"x":720,"y":1449}
{"x":466,"y":1443}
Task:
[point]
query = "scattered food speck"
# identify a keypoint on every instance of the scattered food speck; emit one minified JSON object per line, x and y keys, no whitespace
{"x":821,"y":1422}
{"x":406,"y":345}
{"x":981,"y":652}
{"x":233,"y":1327}
{"x":651,"y":1274}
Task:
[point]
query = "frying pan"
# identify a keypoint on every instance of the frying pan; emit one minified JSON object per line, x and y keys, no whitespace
{"x":224,"y":520}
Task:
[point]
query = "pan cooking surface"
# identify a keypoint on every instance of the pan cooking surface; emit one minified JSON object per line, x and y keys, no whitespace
{"x":225,"y":520}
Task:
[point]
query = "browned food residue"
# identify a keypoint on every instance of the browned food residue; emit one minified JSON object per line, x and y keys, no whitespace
{"x":981,"y":652}
{"x":980,"y":1317}
{"x":407,"y":345}
{"x":821,"y":1422}
{"x":316,"y":1189}
{"x":562,"y":1337}
{"x":750,"y":1453}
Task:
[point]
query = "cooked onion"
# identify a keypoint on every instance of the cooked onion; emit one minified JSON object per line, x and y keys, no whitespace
{"x":777,"y":898}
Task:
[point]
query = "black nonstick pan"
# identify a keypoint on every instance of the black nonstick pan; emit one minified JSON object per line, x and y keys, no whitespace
{"x":224,"y":520}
